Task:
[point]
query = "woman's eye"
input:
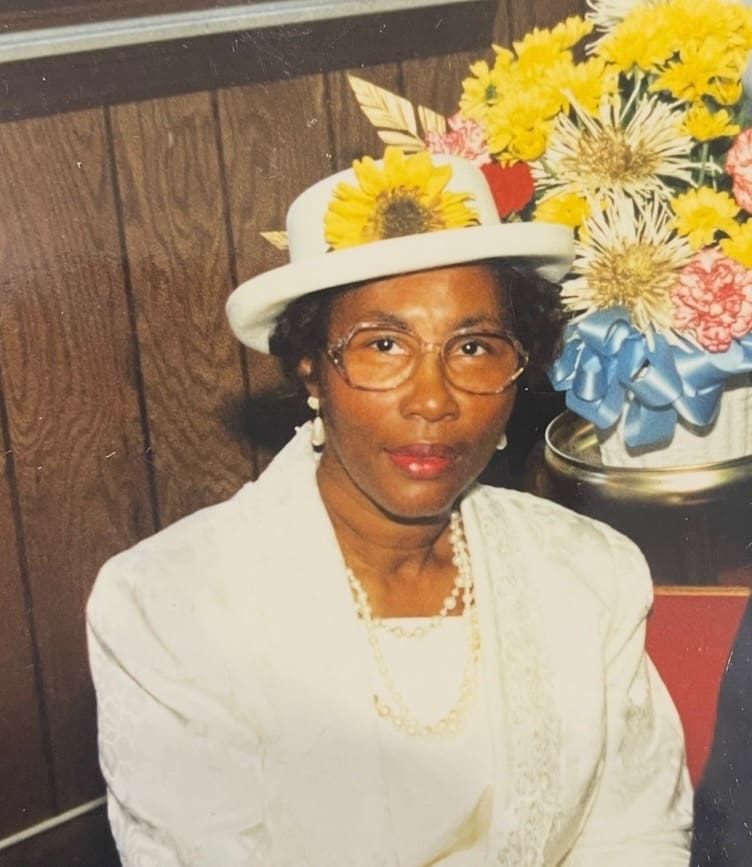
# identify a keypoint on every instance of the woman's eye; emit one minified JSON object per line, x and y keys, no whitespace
{"x":387,"y":344}
{"x":472,"y":347}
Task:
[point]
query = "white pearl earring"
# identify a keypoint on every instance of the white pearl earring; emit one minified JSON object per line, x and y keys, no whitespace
{"x":502,"y":443}
{"x":318,"y":433}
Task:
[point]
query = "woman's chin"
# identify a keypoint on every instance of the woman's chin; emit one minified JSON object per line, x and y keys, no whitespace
{"x":422,"y":504}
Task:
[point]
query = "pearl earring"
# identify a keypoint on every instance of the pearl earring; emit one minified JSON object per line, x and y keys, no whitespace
{"x":502,"y":443}
{"x":318,"y":433}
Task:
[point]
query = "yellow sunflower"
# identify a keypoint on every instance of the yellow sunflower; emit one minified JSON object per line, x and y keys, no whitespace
{"x":404,"y":196}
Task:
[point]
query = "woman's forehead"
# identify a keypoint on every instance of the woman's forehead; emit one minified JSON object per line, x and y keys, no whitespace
{"x":442,"y":298}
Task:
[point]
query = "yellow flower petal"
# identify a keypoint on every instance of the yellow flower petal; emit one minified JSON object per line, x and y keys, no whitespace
{"x":404,"y":196}
{"x":699,"y":214}
{"x":739,"y":244}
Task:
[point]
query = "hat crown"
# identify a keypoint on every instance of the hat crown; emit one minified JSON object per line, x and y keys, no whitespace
{"x":305,"y":218}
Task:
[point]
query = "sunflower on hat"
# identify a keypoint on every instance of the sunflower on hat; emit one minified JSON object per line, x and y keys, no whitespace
{"x":405,"y":195}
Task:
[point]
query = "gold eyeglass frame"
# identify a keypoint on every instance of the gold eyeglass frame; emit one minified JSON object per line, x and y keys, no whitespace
{"x":334,"y":354}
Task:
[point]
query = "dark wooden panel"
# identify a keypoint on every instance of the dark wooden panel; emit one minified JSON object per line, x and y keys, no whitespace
{"x":176,"y":239}
{"x":70,"y":390}
{"x":26,"y":795}
{"x":83,"y":842}
{"x":276,"y":142}
{"x":514,"y":18}
{"x":148,"y":71}
{"x":353,"y":134}
{"x":437,"y":82}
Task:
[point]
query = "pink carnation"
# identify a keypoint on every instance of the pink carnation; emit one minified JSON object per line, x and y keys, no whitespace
{"x":739,"y":166}
{"x":464,"y":138}
{"x":713,"y":299}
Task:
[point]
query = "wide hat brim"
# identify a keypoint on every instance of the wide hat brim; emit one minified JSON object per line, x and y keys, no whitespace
{"x":253,"y":308}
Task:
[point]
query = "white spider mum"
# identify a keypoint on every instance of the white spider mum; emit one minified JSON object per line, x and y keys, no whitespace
{"x":628,"y":256}
{"x":606,"y":14}
{"x":634,"y":149}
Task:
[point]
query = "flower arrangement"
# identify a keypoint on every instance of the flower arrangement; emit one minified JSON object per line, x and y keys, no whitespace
{"x":640,"y":144}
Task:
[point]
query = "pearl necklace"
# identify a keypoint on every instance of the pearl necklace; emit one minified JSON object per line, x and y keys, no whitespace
{"x":397,"y":713}
{"x":462,"y":581}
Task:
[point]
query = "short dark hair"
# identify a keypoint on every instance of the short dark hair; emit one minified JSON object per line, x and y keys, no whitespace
{"x":538,"y":319}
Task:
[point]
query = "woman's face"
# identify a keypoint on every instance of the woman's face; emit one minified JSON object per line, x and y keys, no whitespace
{"x":411,"y":451}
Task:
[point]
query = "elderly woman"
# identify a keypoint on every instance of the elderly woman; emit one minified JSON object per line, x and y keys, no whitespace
{"x":365,"y":658}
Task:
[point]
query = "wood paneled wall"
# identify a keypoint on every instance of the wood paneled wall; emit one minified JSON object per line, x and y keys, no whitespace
{"x":124,"y":400}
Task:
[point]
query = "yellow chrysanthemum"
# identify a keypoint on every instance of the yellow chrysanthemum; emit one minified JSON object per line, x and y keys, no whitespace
{"x":726,"y":91}
{"x":651,"y":35}
{"x":705,"y":125}
{"x":630,"y":259}
{"x":572,"y":30}
{"x":569,"y":209}
{"x":703,"y":212}
{"x":641,"y":39}
{"x":585,"y":83}
{"x":698,"y":22}
{"x":609,"y":156}
{"x":541,"y":48}
{"x":481,"y":91}
{"x":517,"y":128}
{"x":690,"y":77}
{"x":739,"y":244}
{"x":404,"y":196}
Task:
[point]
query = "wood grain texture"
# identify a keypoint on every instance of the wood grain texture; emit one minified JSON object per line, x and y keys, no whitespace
{"x":275,"y":142}
{"x":436,"y":82}
{"x":353,"y":135}
{"x":69,"y":383}
{"x":177,"y":248}
{"x":22,"y":748}
{"x":83,"y":842}
{"x":515,"y":18}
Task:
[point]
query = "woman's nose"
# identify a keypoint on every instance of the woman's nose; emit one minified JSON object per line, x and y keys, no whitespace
{"x":427,"y":392}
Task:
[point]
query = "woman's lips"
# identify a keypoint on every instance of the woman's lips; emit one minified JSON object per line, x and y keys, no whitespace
{"x":423,"y":460}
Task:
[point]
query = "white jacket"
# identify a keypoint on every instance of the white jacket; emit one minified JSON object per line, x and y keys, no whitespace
{"x":236,"y":722}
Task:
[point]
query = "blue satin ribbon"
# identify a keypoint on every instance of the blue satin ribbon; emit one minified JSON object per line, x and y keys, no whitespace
{"x":607,"y":363}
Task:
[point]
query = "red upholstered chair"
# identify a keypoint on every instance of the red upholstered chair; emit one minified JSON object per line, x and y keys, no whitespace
{"x":689,"y":635}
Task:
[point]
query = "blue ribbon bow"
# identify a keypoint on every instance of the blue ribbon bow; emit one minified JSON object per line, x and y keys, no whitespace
{"x":607,"y":363}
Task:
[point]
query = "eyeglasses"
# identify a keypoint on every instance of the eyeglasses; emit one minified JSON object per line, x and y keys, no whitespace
{"x":379,"y":358}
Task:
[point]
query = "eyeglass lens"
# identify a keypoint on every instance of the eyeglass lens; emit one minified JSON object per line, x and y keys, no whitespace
{"x":382,"y":358}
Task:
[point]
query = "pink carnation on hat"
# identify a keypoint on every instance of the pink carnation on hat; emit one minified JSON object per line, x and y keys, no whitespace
{"x":739,"y":166}
{"x":465,"y":138}
{"x":713,"y":299}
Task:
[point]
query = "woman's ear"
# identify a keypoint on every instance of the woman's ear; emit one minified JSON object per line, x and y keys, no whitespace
{"x":306,"y":370}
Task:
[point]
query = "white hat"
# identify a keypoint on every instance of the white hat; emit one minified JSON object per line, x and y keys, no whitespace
{"x":254,"y":306}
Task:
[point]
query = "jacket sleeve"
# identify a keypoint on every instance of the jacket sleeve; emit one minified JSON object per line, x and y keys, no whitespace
{"x":182,"y":773}
{"x":641,"y":811}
